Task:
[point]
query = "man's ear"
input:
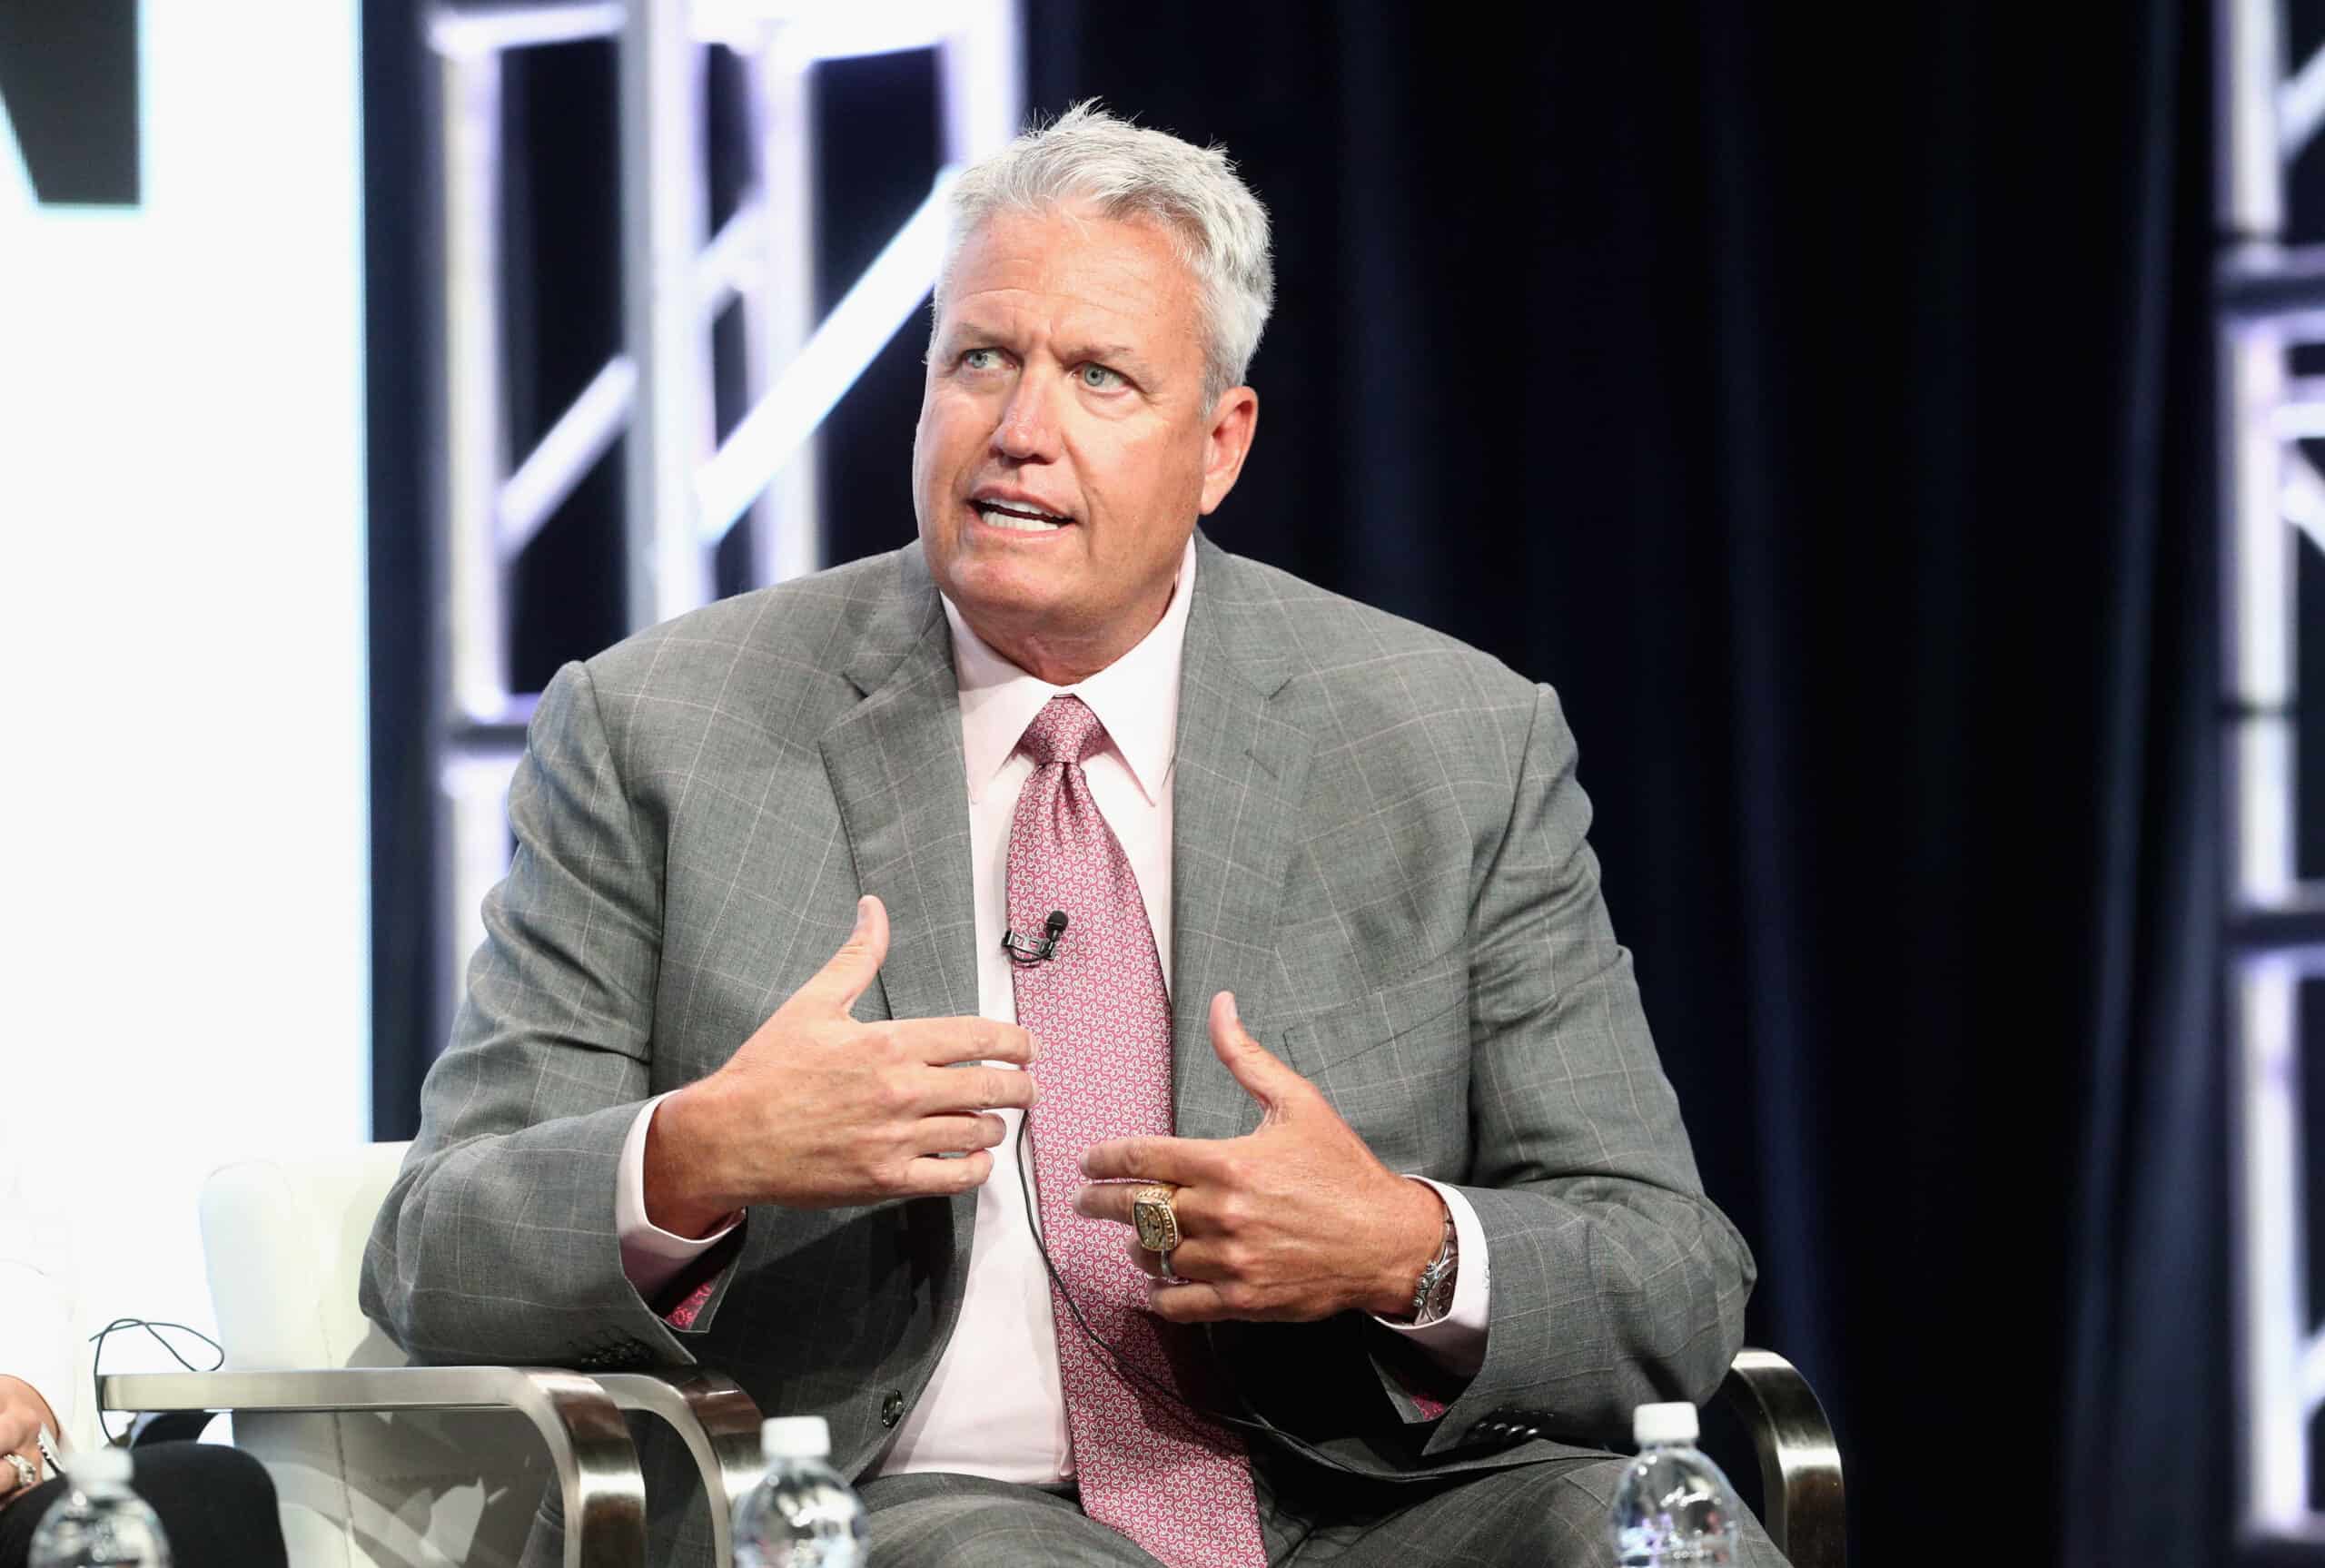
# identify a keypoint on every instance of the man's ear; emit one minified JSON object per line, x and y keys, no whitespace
{"x":1233,"y":423}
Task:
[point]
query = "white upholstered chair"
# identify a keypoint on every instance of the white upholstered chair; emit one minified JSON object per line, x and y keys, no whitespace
{"x":379,"y":1464}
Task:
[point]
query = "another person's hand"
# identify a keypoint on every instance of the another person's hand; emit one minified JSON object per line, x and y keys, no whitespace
{"x":819,"y":1112}
{"x":1298,"y":1220}
{"x":22,"y":1413}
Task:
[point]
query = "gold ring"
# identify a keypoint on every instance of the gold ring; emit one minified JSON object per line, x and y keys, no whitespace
{"x":1151,"y":1212}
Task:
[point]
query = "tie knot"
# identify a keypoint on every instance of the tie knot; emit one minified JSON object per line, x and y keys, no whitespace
{"x":1064,"y":731}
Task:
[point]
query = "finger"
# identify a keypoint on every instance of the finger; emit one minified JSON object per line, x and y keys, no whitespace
{"x":1118,"y":1202}
{"x":1192,"y":1262}
{"x":1193,"y":1301}
{"x":943,"y":1042}
{"x":835,"y":987}
{"x":1180,"y":1160}
{"x":1263,"y":1076}
{"x":946,"y":1090}
{"x":959,"y":1134}
{"x":929,"y":1177}
{"x":1107,"y":1200}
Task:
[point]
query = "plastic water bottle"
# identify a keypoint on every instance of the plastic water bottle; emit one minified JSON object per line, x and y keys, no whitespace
{"x":801,"y":1514}
{"x":99,"y":1523}
{"x":1673,"y":1504}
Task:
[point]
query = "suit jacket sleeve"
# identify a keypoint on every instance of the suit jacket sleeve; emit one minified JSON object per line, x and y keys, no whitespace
{"x":497,"y":1242}
{"x":1616,"y":1281}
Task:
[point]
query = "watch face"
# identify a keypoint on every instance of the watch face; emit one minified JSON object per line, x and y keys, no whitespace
{"x":1440,"y":1299}
{"x":1435,"y":1286}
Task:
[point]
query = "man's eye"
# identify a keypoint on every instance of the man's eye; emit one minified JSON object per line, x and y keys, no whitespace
{"x":1099,"y":379}
{"x":981,"y":360}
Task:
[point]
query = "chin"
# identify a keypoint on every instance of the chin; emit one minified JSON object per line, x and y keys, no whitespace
{"x":1013,"y":589}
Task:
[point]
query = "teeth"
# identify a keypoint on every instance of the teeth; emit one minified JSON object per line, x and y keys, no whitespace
{"x":1020,"y":516}
{"x":1015,"y":524}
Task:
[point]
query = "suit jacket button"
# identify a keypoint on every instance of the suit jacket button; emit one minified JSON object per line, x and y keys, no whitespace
{"x":891,"y":1409}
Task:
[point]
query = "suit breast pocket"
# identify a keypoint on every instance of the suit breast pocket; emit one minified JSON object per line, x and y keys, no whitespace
{"x":1395,"y":1063}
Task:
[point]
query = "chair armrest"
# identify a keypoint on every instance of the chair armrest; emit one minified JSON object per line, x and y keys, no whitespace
{"x":1801,"y":1498}
{"x":597,"y":1464}
{"x":720,"y":1425}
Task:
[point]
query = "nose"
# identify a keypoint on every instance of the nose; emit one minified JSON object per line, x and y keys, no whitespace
{"x":1028,"y":432}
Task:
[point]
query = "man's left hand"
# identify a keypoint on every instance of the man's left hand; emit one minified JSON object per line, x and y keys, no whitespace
{"x":1294,"y":1222}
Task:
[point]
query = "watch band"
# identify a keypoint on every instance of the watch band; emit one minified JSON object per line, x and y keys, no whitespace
{"x":1433,"y":1291}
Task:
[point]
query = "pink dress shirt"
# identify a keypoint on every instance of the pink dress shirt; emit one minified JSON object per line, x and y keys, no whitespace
{"x":993,"y":1406}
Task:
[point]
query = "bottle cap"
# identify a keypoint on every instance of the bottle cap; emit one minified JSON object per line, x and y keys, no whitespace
{"x":795,"y":1438}
{"x":1654,"y":1424}
{"x":104,"y":1466}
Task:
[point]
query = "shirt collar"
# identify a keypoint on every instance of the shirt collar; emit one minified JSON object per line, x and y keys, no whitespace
{"x":1136,"y":697}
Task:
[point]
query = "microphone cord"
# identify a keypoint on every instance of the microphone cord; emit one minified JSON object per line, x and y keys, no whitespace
{"x":153,"y":1327}
{"x":1253,"y":1421}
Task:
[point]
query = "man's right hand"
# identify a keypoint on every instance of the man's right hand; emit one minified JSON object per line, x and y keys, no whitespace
{"x":819,"y":1112}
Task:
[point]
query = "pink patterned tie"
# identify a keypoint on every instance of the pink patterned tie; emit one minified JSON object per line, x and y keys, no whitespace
{"x":1178,"y":1484}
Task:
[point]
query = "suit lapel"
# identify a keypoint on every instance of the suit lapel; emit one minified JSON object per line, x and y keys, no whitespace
{"x":1238,"y":773}
{"x":895,"y":768}
{"x":897,"y":771}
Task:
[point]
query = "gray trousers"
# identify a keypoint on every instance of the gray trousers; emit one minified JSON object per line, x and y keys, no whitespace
{"x":1549,"y":1516}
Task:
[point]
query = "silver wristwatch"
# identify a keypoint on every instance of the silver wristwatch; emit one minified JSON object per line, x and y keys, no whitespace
{"x":1433,"y":1291}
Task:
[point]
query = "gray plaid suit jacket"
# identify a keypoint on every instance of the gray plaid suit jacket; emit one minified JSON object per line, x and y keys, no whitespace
{"x":1379,"y":849}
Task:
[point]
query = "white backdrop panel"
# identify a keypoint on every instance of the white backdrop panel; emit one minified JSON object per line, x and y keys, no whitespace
{"x":182,"y":503}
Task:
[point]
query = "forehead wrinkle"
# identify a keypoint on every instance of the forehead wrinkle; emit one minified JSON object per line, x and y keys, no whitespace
{"x":1046,"y":303}
{"x":1068,"y":333}
{"x":1127,"y":281}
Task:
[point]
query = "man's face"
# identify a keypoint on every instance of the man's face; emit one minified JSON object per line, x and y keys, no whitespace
{"x":1065,"y":447}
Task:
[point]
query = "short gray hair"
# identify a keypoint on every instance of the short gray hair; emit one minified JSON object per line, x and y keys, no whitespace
{"x":1219,"y":228}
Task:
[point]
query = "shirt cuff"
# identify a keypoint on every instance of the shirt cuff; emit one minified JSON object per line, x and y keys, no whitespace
{"x":1456,"y":1341}
{"x":650,"y":1255}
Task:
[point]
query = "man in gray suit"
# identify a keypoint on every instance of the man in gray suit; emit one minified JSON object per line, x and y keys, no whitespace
{"x":1351,"y":1244}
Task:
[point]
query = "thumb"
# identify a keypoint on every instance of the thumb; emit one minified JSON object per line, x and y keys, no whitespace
{"x":853,"y":967}
{"x":1263,"y":1076}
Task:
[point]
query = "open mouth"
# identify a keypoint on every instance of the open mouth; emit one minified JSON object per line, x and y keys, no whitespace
{"x":1019,"y":516}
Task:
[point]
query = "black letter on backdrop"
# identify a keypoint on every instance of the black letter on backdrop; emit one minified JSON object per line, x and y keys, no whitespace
{"x":68,"y":85}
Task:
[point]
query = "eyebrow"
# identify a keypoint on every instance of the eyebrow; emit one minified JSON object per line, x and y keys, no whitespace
{"x":971,"y":331}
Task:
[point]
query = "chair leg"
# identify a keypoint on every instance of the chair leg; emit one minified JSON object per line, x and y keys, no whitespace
{"x":720,"y":1425}
{"x":1802,"y":1500}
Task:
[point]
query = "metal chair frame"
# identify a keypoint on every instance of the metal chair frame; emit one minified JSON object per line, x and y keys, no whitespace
{"x":579,"y":1417}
